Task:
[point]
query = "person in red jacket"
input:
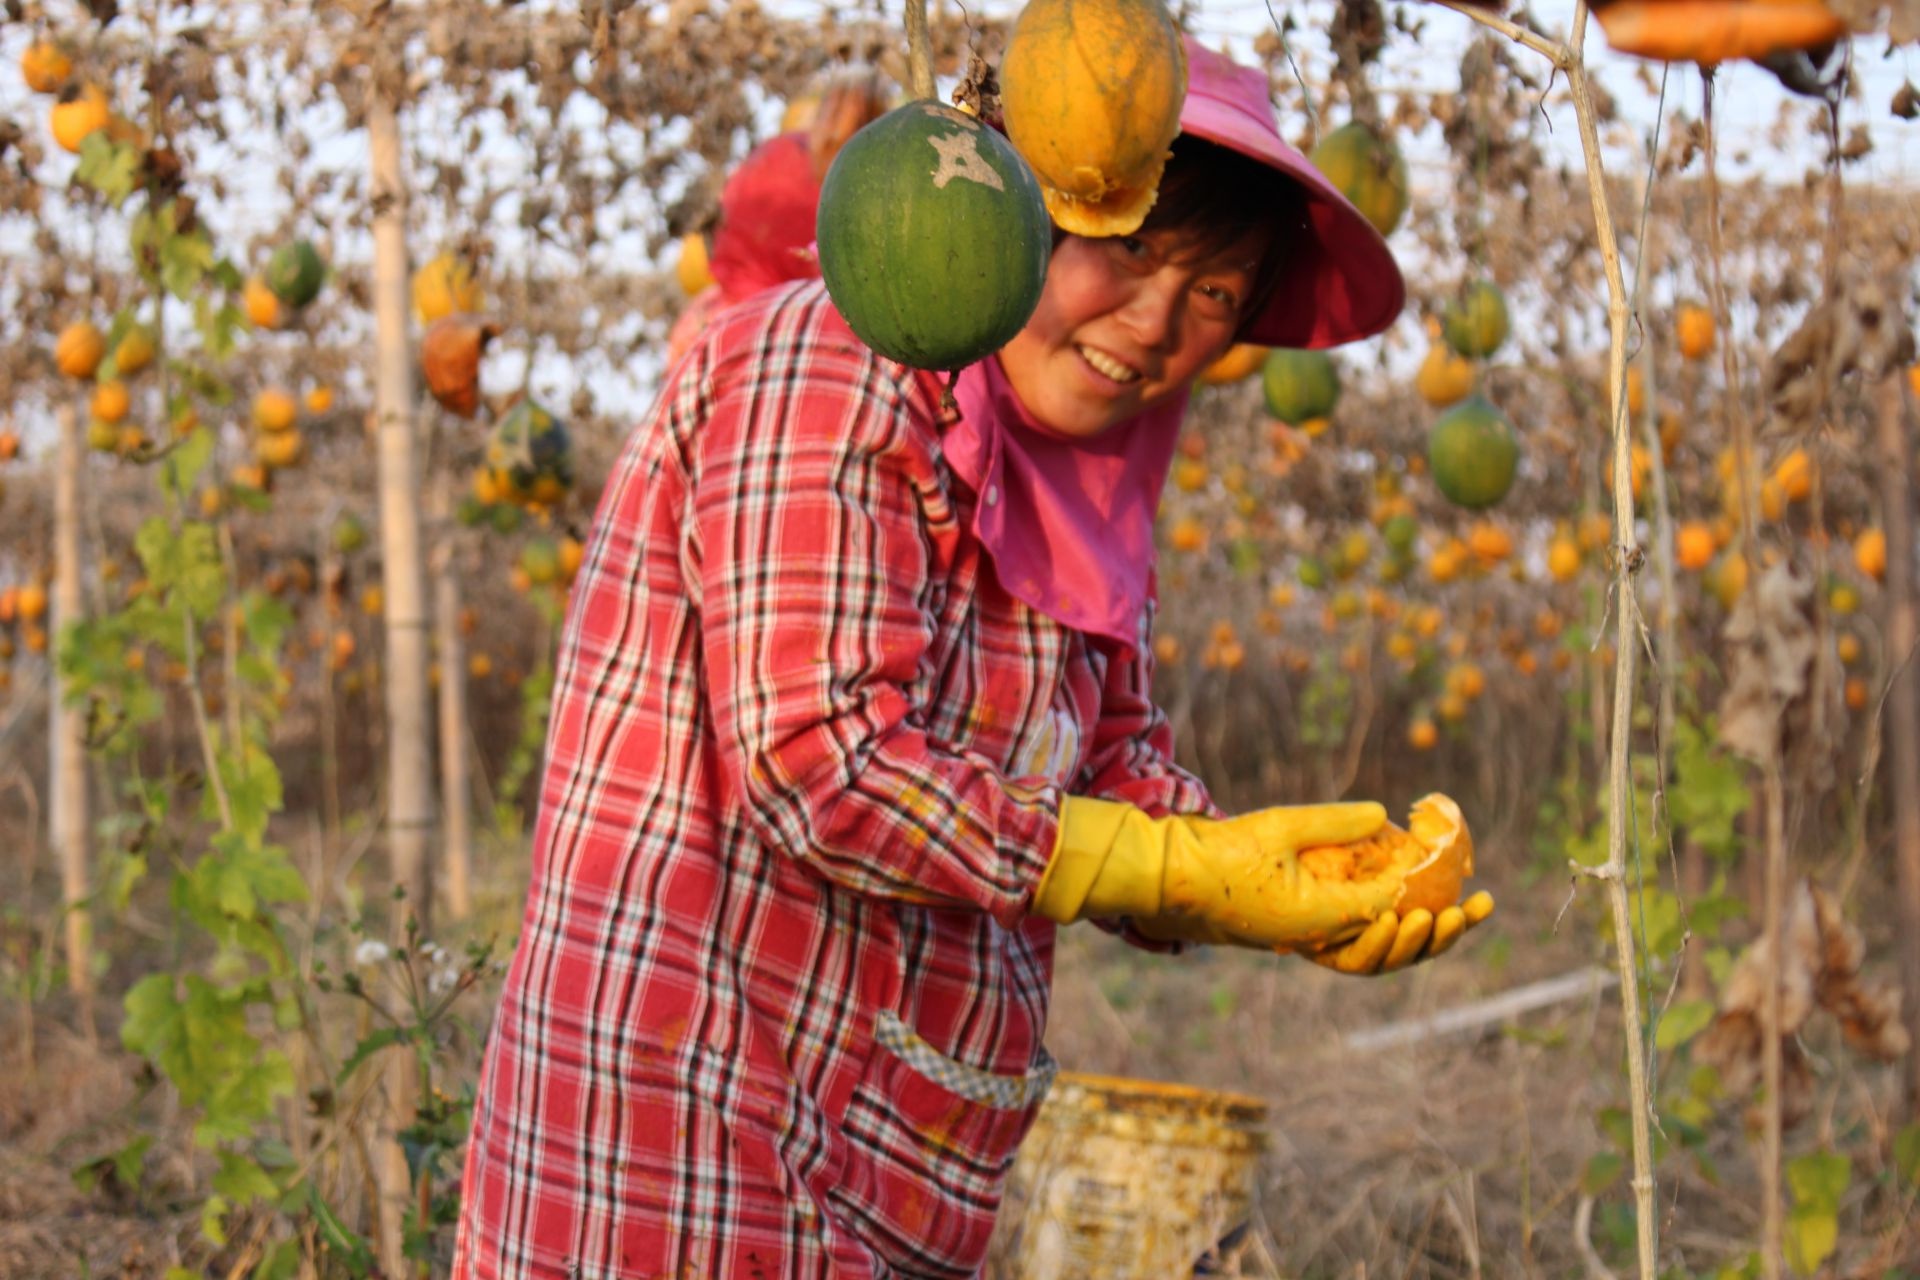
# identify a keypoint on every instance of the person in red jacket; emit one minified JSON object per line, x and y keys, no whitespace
{"x":764,"y":235}
{"x":852,"y":712}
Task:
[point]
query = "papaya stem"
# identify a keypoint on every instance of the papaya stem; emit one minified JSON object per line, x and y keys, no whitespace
{"x":919,"y":50}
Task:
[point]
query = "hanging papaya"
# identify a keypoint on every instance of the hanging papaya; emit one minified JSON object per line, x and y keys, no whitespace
{"x":1473,"y":454}
{"x":933,"y":239}
{"x":1369,"y":171}
{"x":1475,"y":321}
{"x":1300,"y":385}
{"x":1091,"y":92}
{"x":295,"y":273}
{"x":450,"y":360}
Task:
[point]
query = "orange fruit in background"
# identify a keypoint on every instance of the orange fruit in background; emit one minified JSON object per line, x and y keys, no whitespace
{"x":1693,"y":329}
{"x":260,"y":303}
{"x":110,"y":401}
{"x":45,"y":66}
{"x":319,"y":400}
{"x":1870,"y":553}
{"x":135,"y":352}
{"x":30,"y":602}
{"x":1563,"y":559}
{"x":1848,"y":647}
{"x":693,"y":270}
{"x":275,"y":410}
{"x":1445,"y":377}
{"x":1489,"y":543}
{"x":1422,"y":734}
{"x":74,"y":120}
{"x":1241,"y":361}
{"x":444,"y":285}
{"x":1091,"y":91}
{"x":79,"y":348}
{"x":1857,"y":693}
{"x":1694,"y":545}
{"x":1794,"y":475}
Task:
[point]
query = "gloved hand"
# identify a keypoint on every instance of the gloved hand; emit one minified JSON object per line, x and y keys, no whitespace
{"x":1392,"y":942}
{"x":1231,"y":880}
{"x":1240,"y":880}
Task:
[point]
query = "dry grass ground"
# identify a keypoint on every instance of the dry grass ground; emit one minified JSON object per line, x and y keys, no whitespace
{"x":1454,"y":1157}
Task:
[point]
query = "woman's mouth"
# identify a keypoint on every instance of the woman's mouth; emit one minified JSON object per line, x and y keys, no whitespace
{"x":1108,"y":366}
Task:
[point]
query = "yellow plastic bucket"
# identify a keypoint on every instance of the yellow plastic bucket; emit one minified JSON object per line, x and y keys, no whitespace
{"x":1130,"y":1179}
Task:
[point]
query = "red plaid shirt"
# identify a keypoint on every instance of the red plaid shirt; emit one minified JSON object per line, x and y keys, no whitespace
{"x":777,"y":1007}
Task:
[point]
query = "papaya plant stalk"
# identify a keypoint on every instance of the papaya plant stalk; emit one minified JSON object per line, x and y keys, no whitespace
{"x":1627,"y":559}
{"x":72,"y":824}
{"x":1773,"y":803}
{"x":1627,"y":623}
{"x":1902,"y":697}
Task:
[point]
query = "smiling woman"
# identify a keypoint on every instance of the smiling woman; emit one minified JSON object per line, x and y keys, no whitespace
{"x":852,"y":709}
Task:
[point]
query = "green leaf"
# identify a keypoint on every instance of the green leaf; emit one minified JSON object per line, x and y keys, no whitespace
{"x":1906,"y":1154}
{"x":183,"y":466}
{"x":1602,"y":1171}
{"x":1810,"y":1238}
{"x":185,"y":261}
{"x":1681,"y":1023}
{"x":1616,"y":1126}
{"x":252,"y":783}
{"x":245,"y":1098}
{"x":153,"y":1027}
{"x":1709,"y":791}
{"x":350,"y":1250}
{"x":369,"y":1045}
{"x":1819,"y":1179}
{"x":109,"y":167}
{"x":187,"y":562}
{"x":242,"y":1181}
{"x":213,"y":1220}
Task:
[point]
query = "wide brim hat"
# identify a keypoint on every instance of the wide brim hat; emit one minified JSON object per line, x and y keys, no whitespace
{"x":1345,"y":285}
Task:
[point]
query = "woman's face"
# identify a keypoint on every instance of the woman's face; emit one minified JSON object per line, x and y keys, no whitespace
{"x":1124,"y":323}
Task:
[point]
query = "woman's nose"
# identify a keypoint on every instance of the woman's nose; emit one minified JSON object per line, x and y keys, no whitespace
{"x":1152,"y":313}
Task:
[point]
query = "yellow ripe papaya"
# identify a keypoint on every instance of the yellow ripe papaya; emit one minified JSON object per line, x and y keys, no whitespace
{"x":1091,"y":92}
{"x":1434,"y":854}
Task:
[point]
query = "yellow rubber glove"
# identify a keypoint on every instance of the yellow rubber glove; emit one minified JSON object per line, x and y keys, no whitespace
{"x":1391,"y":942}
{"x":1230,"y":880}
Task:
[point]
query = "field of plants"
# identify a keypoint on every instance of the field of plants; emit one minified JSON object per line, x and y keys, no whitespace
{"x":320,"y":327}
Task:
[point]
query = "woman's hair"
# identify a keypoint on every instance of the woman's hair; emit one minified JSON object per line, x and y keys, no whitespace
{"x":1212,"y":197}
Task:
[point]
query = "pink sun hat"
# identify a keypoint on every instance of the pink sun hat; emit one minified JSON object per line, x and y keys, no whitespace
{"x":1351,"y":288}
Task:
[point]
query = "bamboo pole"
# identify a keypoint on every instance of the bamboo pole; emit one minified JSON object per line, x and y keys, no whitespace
{"x":1902,"y":698}
{"x":457,"y":842}
{"x":409,"y":743}
{"x":71,"y":823}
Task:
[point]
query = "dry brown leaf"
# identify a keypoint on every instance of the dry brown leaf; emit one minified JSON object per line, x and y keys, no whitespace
{"x":1858,"y":327}
{"x":1771,"y":648}
{"x":1820,"y":970}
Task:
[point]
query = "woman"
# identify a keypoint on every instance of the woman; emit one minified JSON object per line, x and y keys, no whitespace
{"x":853,"y":709}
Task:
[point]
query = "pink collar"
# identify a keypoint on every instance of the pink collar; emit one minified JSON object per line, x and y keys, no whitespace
{"x":1068,"y":522}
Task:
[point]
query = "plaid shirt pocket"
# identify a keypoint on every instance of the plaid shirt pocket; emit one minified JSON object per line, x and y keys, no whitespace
{"x":931,"y":1141}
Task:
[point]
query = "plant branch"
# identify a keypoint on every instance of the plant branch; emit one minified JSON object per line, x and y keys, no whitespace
{"x":1553,"y":51}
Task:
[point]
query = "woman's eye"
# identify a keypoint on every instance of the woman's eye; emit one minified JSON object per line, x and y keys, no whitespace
{"x":1134,"y":247}
{"x":1216,"y":301}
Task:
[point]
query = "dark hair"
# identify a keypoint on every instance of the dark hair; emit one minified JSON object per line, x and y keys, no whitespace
{"x":1213,"y":197}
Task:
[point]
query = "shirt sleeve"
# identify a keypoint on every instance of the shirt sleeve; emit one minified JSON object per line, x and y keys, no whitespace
{"x":817,"y":514}
{"x":1130,"y":757}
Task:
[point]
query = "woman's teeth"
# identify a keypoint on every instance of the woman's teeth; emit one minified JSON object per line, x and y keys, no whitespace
{"x":1107,"y":365}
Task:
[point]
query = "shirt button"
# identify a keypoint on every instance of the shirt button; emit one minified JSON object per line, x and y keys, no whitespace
{"x":993,"y":495}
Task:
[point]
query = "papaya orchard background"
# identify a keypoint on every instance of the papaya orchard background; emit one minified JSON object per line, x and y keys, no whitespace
{"x":566,"y":151}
